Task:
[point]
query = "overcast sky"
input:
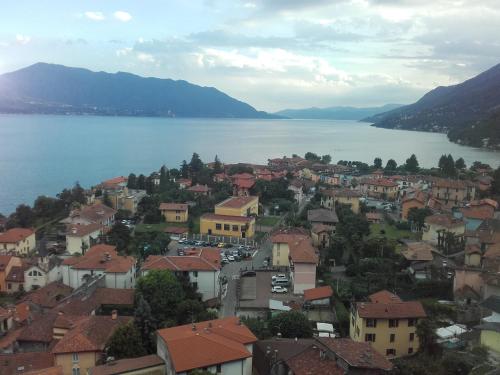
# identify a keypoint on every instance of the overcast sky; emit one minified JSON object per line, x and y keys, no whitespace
{"x":273,"y":54}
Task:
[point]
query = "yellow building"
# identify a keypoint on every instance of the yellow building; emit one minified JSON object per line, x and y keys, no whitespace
{"x":440,"y":223}
{"x":347,"y":197}
{"x":234,"y":217}
{"x":19,"y":241}
{"x":387,"y":323}
{"x":147,"y":365}
{"x":174,"y":212}
{"x":490,"y":336}
{"x":380,"y":188}
{"x":238,"y":206}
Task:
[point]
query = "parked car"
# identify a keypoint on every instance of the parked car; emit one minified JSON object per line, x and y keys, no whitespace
{"x":279,"y":276}
{"x":265,"y":263}
{"x":182,"y":241}
{"x":224,"y":260}
{"x":230,"y":258}
{"x":248,"y":273}
{"x":228,"y":246}
{"x":221,"y":245}
{"x":280,"y":282}
{"x":279,"y":289}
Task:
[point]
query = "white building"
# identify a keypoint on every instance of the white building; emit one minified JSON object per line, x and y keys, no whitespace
{"x":201,"y":266}
{"x":80,"y":237}
{"x":221,"y":346}
{"x":100,"y":260}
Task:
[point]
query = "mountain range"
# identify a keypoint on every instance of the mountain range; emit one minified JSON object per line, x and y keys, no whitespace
{"x":468,"y":112}
{"x":56,"y":89}
{"x":336,"y":113}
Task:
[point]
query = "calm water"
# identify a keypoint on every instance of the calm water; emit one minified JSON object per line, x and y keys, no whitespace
{"x":44,"y":154}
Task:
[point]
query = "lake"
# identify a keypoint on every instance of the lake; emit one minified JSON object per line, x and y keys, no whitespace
{"x":43,"y":154}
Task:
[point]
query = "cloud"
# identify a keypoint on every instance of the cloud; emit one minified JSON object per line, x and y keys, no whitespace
{"x":122,"y":16}
{"x":23,"y":39}
{"x":145,"y":57}
{"x":94,"y":16}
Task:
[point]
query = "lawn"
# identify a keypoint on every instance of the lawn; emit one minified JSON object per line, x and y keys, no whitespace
{"x":391,"y":232}
{"x":143,"y":228}
{"x":268,"y":221}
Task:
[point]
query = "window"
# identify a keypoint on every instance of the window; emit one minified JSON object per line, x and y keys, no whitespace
{"x":219,"y":369}
{"x":410,"y":350}
{"x":195,"y":285}
{"x":370,"y":337}
{"x":235,"y":228}
{"x":75,"y":358}
{"x":218,"y":226}
{"x":76,"y":371}
{"x":412,"y":322}
{"x":177,"y":218}
{"x":392,"y":337}
{"x":390,"y":352}
{"x":371,"y":322}
{"x":412,"y":336}
{"x":195,"y":273}
{"x":9,"y":286}
{"x":226,"y":227}
{"x":393,"y":323}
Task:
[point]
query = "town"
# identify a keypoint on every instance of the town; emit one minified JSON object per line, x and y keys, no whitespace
{"x":300,"y":266}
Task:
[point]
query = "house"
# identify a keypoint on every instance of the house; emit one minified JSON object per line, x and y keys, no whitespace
{"x":26,"y":363}
{"x":453,"y":192}
{"x":322,"y":216}
{"x":149,"y":364}
{"x":80,"y":237}
{"x":100,"y":261}
{"x":490,"y":325}
{"x":475,"y":213}
{"x":121,"y":197}
{"x":184,"y":183}
{"x":82,"y":346}
{"x":441,"y":223}
{"x":222,"y":346}
{"x":373,"y":217}
{"x":38,"y":336}
{"x":422,"y":258}
{"x":233,"y":217}
{"x":387,"y":323}
{"x":380,"y":188}
{"x":201,"y":266}
{"x":17,"y":241}
{"x":321,"y":235}
{"x":242,"y":183}
{"x":318,"y":297}
{"x":174,"y":212}
{"x":294,"y":249}
{"x":347,"y":197}
{"x":48,"y":296}
{"x":319,"y":356}
{"x":6,"y":264}
{"x":200,"y":190}
{"x":297,"y":188}
{"x":97,"y":213}
{"x":417,"y":200}
{"x":38,"y":272}
{"x":176,"y":233}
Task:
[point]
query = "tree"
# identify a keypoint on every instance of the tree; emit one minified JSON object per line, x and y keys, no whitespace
{"x":426,"y":332}
{"x":217,"y":165}
{"x":119,"y":235}
{"x":291,"y":324}
{"x":106,"y":200}
{"x":192,"y":311}
{"x":195,"y":165}
{"x":162,"y":291}
{"x":391,"y":165}
{"x":163,"y":177}
{"x":460,"y":164}
{"x":377,"y":163}
{"x":125,"y":342}
{"x":132,"y":181}
{"x":184,"y":169}
{"x":417,"y":216}
{"x":326,"y":159}
{"x":311,"y":156}
{"x":495,"y":184}
{"x":412,"y":164}
{"x":141,"y":182}
{"x":258,"y":327}
{"x":447,"y":166}
{"x":145,"y":323}
{"x":24,"y":217}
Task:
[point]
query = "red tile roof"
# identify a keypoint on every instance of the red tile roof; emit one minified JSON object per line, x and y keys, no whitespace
{"x":127,"y":365}
{"x":379,"y":182}
{"x":173,"y":207}
{"x":300,"y":246}
{"x":49,"y":295}
{"x":21,"y":312}
{"x":478,"y":212}
{"x":205,"y":260}
{"x":79,"y":230}
{"x":396,"y":310}
{"x":96,"y":213}
{"x":384,"y":296}
{"x":243,"y":176}
{"x":112,"y":182}
{"x":15,"y":235}
{"x":4,"y":261}
{"x":16,"y":275}
{"x":207,"y":343}
{"x":418,"y":251}
{"x":357,"y":354}
{"x":318,"y":293}
{"x":11,"y":363}
{"x":56,"y":370}
{"x":244,"y":184}
{"x":40,"y":329}
{"x":236,"y":202}
{"x":443,"y":220}
{"x":493,"y":251}
{"x":451,"y":184}
{"x":176,"y":230}
{"x":199,"y":188}
{"x":310,"y":362}
{"x":241,"y":219}
{"x":102,"y":257}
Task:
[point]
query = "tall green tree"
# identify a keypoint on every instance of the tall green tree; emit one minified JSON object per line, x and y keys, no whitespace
{"x":184,"y":169}
{"x":106,"y":200}
{"x":326,"y":159}
{"x":23,"y":217}
{"x":132,"y":181}
{"x":417,"y":216}
{"x":141,"y":182}
{"x":377,"y":163}
{"x":126,"y":342}
{"x":119,"y":236}
{"x":460,"y":164}
{"x":195,"y":165}
{"x":391,"y":165}
{"x":291,"y":324}
{"x":217,"y":165}
{"x":311,"y":156}
{"x":146,"y":324}
{"x":411,"y":164}
{"x":447,"y":166}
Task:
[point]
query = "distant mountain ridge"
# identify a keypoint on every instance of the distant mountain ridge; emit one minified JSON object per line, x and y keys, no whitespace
{"x":335,"y":113}
{"x":468,"y":112}
{"x":57,"y":89}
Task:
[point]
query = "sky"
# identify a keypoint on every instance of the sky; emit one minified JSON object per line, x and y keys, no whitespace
{"x":272,"y":54}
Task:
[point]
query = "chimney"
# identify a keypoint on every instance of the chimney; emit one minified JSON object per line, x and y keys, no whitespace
{"x":114,"y":314}
{"x":278,"y":336}
{"x":194,"y":327}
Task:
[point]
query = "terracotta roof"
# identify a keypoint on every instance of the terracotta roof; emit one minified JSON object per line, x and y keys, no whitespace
{"x":199,"y":188}
{"x":418,"y":251}
{"x":443,"y":220}
{"x":243,"y":176}
{"x":184,"y":181}
{"x":493,"y":251}
{"x":451,"y":184}
{"x":206,"y":259}
{"x":472,"y":249}
{"x":310,"y":362}
{"x":56,"y":370}
{"x":241,"y":219}
{"x":395,"y":310}
{"x":4,"y":261}
{"x":9,"y":340}
{"x":477,"y":212}
{"x":300,"y":245}
{"x":207,"y":343}
{"x":236,"y":202}
{"x":115,"y":181}
{"x":11,"y":363}
{"x":127,"y":365}
{"x":87,"y":304}
{"x":319,"y":228}
{"x":16,"y":275}
{"x":379,"y":182}
{"x":176,"y":230}
{"x":80,"y":230}
{"x":419,"y":196}
{"x":384,"y":296}
{"x":102,"y":257}
{"x":342,"y":193}
{"x":40,"y":329}
{"x":49,"y":295}
{"x":244,"y":184}
{"x":15,"y":235}
{"x":357,"y":354}
{"x":322,"y":215}
{"x":173,"y":206}
{"x":90,"y":335}
{"x":96,"y":212}
{"x":318,"y":293}
{"x":21,"y":312}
